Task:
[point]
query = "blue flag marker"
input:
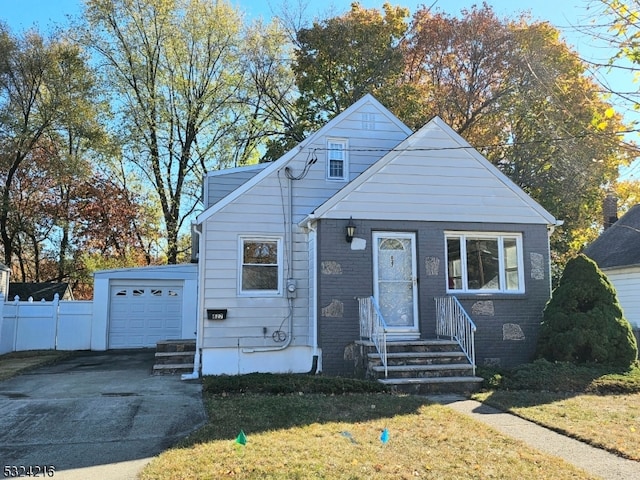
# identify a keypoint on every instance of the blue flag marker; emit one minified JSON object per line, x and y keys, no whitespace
{"x":384,"y":436}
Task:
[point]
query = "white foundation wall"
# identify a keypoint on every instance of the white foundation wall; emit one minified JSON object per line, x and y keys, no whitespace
{"x":239,"y":361}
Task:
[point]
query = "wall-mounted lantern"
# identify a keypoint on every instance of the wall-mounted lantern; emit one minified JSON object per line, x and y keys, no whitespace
{"x":351,"y":230}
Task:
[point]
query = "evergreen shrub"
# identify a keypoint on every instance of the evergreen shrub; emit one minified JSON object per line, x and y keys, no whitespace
{"x":583,"y":322}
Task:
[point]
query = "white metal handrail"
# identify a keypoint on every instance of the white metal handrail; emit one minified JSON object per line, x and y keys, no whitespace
{"x":373,"y":327}
{"x":453,"y":321}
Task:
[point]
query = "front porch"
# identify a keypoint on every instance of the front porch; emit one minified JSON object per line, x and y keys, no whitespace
{"x":443,"y":364}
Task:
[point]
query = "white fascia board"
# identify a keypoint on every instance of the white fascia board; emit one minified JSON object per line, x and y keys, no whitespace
{"x":244,"y":168}
{"x":150,"y":272}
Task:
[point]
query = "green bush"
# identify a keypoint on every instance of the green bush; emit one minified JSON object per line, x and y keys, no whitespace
{"x":583,"y":322}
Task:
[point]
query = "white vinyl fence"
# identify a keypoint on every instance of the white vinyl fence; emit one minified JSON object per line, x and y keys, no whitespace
{"x":56,"y":325}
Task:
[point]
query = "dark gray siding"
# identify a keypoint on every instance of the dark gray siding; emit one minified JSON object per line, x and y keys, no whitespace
{"x":507,"y":324}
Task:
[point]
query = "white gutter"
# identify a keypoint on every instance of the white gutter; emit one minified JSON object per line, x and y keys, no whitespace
{"x":313,"y":301}
{"x":200,"y":310}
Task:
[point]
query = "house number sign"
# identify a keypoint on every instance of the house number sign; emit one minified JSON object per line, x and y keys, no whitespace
{"x":218,"y":314}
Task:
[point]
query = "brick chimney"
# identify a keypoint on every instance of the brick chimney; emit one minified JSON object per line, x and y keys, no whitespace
{"x":610,"y":210}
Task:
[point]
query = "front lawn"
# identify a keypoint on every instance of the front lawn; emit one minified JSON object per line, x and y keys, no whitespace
{"x":593,"y":403}
{"x":302,"y":427}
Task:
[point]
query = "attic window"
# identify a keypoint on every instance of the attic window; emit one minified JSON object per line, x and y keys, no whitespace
{"x":337,"y":164}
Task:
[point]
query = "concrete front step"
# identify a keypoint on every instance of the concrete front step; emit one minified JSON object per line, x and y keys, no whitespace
{"x":435,"y":345}
{"x":174,"y":358}
{"x":184,"y":345}
{"x":465,"y":384}
{"x":418,"y":358}
{"x":422,"y":366}
{"x":172,"y":368}
{"x":426,"y":371}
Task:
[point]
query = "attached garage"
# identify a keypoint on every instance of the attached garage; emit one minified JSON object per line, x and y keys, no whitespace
{"x":142,"y":313}
{"x":137,"y":307}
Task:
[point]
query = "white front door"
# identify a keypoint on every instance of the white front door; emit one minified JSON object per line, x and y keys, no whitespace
{"x":395,"y":285}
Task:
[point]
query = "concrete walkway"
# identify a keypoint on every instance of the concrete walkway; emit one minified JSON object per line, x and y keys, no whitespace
{"x":593,"y":460}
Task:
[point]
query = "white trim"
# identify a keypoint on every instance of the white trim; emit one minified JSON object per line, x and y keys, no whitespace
{"x":235,"y":361}
{"x":280,"y":265}
{"x":500,"y":237}
{"x":244,"y":168}
{"x":413,"y":330}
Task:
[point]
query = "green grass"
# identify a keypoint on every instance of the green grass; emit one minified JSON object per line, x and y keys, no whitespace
{"x":594,"y":403}
{"x":304,"y":427}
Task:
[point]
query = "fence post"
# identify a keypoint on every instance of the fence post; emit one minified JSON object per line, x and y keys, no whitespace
{"x":56,"y":317}
{"x":16,"y":302}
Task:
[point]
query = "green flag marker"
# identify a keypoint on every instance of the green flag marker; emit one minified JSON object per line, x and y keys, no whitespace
{"x":241,"y":438}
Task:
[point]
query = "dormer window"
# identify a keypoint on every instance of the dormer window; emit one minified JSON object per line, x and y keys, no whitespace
{"x":337,"y":165}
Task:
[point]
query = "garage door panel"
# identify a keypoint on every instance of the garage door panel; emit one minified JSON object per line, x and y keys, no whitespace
{"x":141,"y":315}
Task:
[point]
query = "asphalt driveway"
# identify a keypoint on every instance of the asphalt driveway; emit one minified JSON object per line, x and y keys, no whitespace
{"x":103,"y":410}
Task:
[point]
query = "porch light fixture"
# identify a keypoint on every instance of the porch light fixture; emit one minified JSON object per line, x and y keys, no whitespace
{"x":351,"y":230}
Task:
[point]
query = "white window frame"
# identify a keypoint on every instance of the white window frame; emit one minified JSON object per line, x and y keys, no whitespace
{"x":500,"y":237}
{"x":259,"y":293}
{"x":345,"y":160}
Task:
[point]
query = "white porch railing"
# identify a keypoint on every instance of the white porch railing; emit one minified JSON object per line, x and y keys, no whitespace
{"x":454,"y":322}
{"x":373,"y":327}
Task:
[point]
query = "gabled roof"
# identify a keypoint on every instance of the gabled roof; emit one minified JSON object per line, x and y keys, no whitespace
{"x":39,"y":291}
{"x":434,"y":175}
{"x":287,"y":157}
{"x":619,"y":245}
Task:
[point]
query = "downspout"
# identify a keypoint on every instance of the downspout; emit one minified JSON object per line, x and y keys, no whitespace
{"x":314,"y":306}
{"x":200,"y":310}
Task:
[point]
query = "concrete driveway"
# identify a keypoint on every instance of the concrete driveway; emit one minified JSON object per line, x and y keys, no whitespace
{"x":95,"y":415}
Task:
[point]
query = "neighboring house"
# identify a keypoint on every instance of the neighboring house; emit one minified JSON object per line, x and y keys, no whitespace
{"x":279,"y":281}
{"x":5,"y":273}
{"x":617,"y":253}
{"x":39,"y":291}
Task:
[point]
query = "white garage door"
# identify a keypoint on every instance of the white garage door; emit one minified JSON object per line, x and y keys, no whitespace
{"x":141,"y":314}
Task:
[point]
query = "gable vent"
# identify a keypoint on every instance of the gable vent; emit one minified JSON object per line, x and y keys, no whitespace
{"x":368,"y":121}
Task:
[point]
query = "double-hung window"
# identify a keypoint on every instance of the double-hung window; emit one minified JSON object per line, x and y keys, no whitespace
{"x":337,"y":161}
{"x":260,"y":266}
{"x":484,"y":262}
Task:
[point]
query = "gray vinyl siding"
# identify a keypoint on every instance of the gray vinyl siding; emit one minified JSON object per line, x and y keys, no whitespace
{"x":220,"y":183}
{"x":435,"y":176}
{"x":507,"y":323}
{"x":416,"y":186}
{"x":262,"y":210}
